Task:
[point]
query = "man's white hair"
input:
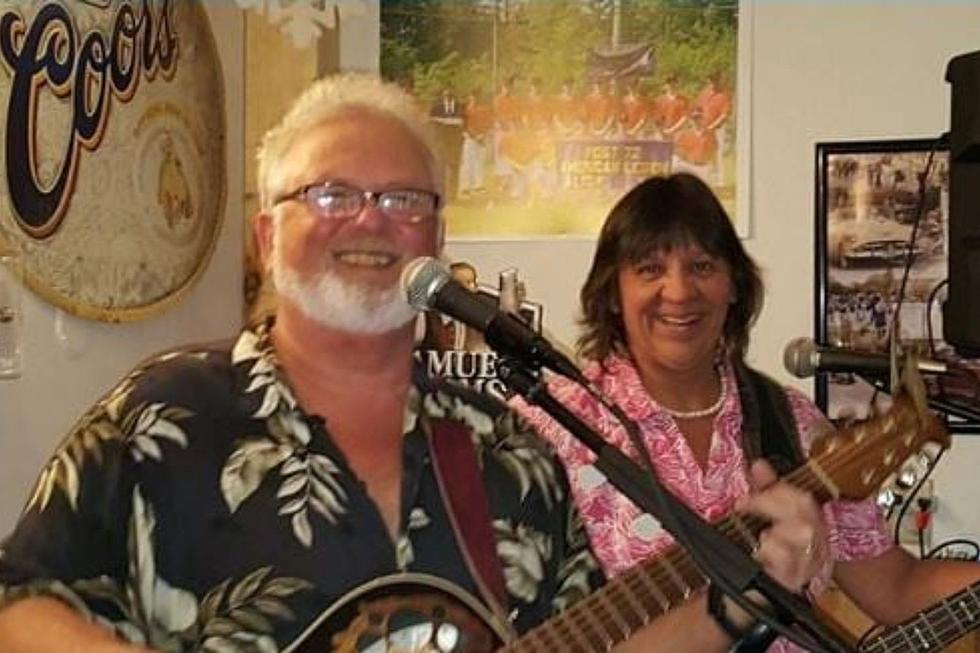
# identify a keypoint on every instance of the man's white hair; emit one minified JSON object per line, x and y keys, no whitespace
{"x":348,"y":94}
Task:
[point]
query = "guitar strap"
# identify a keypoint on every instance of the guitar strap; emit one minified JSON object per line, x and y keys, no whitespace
{"x":768,"y":431}
{"x":768,"y":428}
{"x":463,"y":493}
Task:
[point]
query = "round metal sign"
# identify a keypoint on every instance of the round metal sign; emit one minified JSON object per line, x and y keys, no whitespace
{"x":113,"y":166}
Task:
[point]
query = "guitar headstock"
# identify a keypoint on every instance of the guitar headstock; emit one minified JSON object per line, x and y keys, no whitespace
{"x":854,"y":461}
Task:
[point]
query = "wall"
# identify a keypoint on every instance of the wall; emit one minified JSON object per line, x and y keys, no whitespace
{"x":69,"y":362}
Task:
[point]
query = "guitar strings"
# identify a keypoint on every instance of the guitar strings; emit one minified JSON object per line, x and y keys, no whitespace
{"x":947,"y":624}
{"x":601,"y":617}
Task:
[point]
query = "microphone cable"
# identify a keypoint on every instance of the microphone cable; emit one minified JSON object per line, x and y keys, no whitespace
{"x":893,"y":327}
{"x":939,"y":551}
{"x":894,"y":334}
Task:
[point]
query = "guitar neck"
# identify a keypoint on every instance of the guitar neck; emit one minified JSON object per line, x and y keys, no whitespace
{"x":652,"y":588}
{"x":850,"y":463}
{"x":932,"y":629}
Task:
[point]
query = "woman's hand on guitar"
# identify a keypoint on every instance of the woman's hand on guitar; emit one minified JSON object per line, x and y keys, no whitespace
{"x":794,"y":548}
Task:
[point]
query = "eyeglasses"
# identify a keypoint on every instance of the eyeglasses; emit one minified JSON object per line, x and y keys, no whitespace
{"x":338,"y":202}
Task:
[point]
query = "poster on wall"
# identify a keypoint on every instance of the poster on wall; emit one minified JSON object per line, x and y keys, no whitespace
{"x":881,"y":266}
{"x":545,"y":113}
{"x":114,"y":139}
{"x":450,"y":349}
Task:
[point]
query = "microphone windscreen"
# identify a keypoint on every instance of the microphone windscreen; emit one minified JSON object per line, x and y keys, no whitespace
{"x":421,"y":280}
{"x":798,"y":357}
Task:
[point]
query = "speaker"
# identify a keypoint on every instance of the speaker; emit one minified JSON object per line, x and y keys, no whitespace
{"x":961,"y":313}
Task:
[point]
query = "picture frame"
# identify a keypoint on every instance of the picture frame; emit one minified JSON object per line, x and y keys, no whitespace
{"x":867,"y":203}
{"x":540,"y":142}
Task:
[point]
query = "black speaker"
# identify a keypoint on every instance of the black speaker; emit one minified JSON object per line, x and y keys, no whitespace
{"x":961,"y":313}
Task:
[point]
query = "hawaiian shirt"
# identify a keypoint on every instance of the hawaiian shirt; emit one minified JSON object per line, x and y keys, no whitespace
{"x":198,"y":507}
{"x":621,"y":534}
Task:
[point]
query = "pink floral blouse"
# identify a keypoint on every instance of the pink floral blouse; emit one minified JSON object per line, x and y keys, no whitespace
{"x":621,"y":534}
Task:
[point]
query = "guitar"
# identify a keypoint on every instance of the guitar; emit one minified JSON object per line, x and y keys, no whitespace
{"x":932,"y":629}
{"x":421,"y":613}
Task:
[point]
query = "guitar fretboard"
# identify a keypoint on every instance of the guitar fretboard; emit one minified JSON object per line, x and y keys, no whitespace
{"x":860,"y":457}
{"x":932,"y":629}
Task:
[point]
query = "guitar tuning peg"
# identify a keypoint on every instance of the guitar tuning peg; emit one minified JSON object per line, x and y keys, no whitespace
{"x":887,"y":499}
{"x":907,"y":478}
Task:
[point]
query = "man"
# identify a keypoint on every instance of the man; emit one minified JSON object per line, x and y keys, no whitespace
{"x":447,"y":121}
{"x":468,"y":338}
{"x":221,"y":497}
{"x":695,"y":148}
{"x":715,"y":103}
{"x":670,"y":109}
{"x":635,"y":113}
{"x":600,"y":110}
{"x":477,"y":125}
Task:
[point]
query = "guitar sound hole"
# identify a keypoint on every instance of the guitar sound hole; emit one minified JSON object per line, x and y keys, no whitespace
{"x":410,"y":632}
{"x":404,"y":622}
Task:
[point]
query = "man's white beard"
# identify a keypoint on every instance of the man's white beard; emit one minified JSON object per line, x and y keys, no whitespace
{"x":338,"y":303}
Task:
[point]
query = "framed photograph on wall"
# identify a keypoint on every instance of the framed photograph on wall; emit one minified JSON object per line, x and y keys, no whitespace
{"x":880,"y":206}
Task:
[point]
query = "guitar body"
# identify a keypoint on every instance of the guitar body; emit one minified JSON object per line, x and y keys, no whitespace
{"x":404,"y":613}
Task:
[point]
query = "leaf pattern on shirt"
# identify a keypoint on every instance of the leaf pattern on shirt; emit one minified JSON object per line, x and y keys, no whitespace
{"x":161,"y":609}
{"x":256,"y":346}
{"x":148,"y":423}
{"x":153,"y":611}
{"x":242,"y":616}
{"x":418,"y":519}
{"x":309,"y":481}
{"x":524,"y":553}
{"x":521,"y":456}
{"x":517,"y":451}
{"x":232,"y":617}
{"x":575,"y":569}
{"x":138,"y":427}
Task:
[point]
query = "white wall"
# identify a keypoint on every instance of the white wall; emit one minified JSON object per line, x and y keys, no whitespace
{"x":821,"y":71}
{"x":69,"y":362}
{"x":839,"y":71}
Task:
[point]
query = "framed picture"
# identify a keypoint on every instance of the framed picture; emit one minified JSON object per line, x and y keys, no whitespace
{"x":541,"y":132}
{"x":879,"y":205}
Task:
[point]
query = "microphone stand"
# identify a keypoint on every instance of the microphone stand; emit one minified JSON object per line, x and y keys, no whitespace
{"x":726,"y":565}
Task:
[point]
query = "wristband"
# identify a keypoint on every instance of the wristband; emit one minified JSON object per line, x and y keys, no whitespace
{"x":754,"y":639}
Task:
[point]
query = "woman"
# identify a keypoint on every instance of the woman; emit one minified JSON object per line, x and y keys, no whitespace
{"x":667,"y":308}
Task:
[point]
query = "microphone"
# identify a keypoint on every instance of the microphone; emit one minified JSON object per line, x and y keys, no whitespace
{"x":803,"y":357}
{"x":428,"y":285}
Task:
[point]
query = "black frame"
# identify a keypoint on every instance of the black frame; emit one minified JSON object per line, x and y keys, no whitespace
{"x":879,"y":171}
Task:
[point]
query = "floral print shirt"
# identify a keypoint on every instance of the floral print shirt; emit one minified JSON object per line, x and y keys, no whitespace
{"x":198,"y":507}
{"x":621,"y":534}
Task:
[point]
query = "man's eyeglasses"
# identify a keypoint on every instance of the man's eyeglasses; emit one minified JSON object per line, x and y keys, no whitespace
{"x":339,"y":202}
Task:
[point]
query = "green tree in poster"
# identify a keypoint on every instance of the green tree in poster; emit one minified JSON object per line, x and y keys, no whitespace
{"x":435,"y":44}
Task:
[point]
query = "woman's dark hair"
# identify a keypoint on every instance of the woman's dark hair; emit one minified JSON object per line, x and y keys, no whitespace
{"x":659,"y":214}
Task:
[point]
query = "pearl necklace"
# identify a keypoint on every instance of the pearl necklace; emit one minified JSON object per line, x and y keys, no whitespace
{"x":701,"y":412}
